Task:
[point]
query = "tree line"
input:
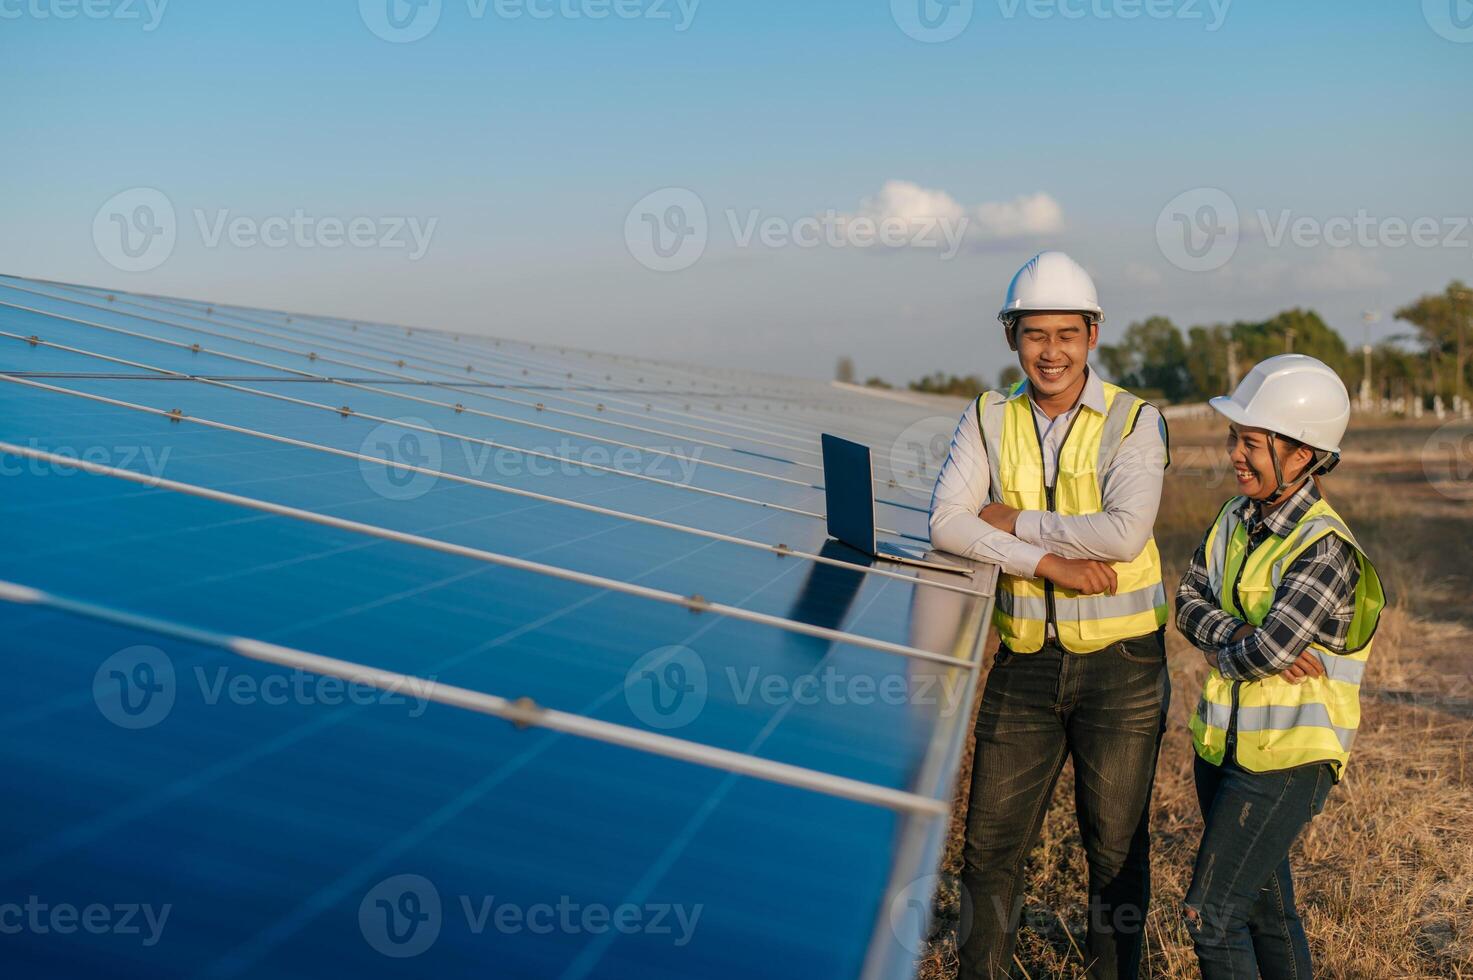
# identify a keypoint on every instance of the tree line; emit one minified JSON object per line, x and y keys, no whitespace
{"x":1159,"y":361}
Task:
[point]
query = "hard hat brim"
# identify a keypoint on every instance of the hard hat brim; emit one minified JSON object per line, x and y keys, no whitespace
{"x":1233,"y":412}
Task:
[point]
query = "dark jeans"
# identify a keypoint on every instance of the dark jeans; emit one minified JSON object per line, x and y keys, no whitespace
{"x":1107,"y":709}
{"x":1241,"y":893}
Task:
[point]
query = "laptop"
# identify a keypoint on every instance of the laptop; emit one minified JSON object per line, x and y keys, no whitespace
{"x":849,"y":492}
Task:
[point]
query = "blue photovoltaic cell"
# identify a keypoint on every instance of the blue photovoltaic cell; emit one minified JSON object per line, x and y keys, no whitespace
{"x":292,"y":830}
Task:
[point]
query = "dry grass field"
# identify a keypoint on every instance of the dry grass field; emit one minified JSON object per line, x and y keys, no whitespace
{"x":1385,"y":874}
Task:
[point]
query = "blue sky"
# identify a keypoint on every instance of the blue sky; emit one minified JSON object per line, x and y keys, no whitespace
{"x":518,"y":146}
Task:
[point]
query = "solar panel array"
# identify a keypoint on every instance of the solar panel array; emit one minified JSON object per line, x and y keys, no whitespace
{"x":341,"y":646}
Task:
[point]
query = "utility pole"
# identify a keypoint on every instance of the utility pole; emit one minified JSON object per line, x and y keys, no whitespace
{"x":1289,"y":340}
{"x":1232,"y":364}
{"x":1369,"y":317}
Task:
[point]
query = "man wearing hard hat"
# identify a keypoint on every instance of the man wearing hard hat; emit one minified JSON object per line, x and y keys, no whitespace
{"x":1283,"y":603}
{"x":1058,"y":482}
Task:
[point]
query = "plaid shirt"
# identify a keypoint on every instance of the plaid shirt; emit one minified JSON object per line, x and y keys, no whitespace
{"x":1314,"y":602}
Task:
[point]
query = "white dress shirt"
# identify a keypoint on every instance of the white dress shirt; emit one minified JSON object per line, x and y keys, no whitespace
{"x":1130,"y":489}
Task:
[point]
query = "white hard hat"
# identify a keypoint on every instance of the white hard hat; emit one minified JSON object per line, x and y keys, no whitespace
{"x":1293,"y":395}
{"x":1051,"y":282}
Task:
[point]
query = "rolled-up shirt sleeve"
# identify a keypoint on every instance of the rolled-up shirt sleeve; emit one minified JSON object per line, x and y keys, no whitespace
{"x":961,"y":493}
{"x":1131,"y":492}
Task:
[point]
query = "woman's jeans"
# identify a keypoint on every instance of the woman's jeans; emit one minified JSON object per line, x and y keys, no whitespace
{"x":1241,"y":913}
{"x":1107,"y":710}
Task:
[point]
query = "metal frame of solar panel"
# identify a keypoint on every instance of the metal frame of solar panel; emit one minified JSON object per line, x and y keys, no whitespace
{"x":342,"y":646}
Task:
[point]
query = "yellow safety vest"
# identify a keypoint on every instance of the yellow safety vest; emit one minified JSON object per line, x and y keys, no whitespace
{"x":1280,"y":724}
{"x":1083,"y":623}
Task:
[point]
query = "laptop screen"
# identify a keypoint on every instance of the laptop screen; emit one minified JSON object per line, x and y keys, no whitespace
{"x":849,"y":494}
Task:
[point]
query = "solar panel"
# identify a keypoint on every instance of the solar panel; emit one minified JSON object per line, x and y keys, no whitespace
{"x":345,"y":646}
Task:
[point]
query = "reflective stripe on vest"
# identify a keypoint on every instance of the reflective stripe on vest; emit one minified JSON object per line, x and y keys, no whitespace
{"x":1280,"y":724}
{"x":1015,"y":461}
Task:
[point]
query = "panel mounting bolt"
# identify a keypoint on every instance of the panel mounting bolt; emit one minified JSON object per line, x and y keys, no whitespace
{"x":345,"y":411}
{"x":459,"y":408}
{"x":526,"y":707}
{"x":176,"y":414}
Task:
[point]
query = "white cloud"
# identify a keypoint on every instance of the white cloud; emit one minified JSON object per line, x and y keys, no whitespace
{"x":920,"y":207}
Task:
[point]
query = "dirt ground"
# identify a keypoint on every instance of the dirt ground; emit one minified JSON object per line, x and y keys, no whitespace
{"x":1385,"y":874}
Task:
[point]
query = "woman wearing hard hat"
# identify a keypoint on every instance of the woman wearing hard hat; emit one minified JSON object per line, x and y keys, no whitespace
{"x":1283,"y":602}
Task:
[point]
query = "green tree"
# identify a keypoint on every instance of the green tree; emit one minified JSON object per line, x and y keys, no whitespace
{"x":1438,"y":318}
{"x":1207,"y":360}
{"x":1008,"y":377}
{"x":1151,"y":359}
{"x":1301,"y":331}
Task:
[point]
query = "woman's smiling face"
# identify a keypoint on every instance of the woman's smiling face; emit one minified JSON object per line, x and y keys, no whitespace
{"x":1251,"y":453}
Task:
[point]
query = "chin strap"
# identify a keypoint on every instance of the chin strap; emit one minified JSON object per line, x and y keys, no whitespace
{"x":1324,"y":461}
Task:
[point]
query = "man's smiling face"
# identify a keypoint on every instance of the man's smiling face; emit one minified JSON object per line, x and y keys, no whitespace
{"x":1053,"y":349}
